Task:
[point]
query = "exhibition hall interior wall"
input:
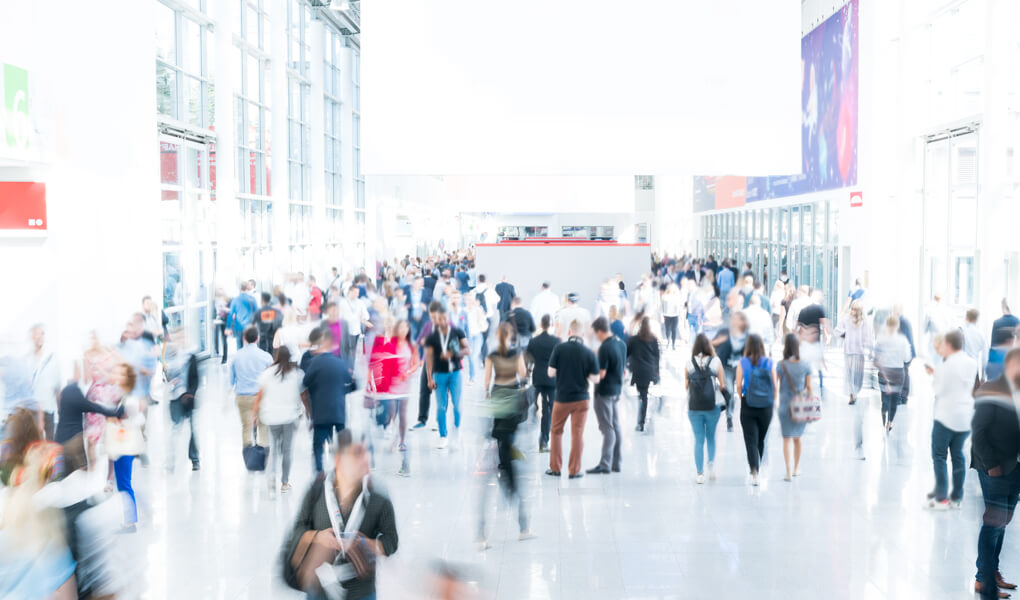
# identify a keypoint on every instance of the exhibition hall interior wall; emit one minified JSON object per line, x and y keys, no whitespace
{"x":93,"y":104}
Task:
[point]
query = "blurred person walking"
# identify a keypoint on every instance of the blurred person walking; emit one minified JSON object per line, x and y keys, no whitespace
{"x":504,"y":372}
{"x":995,"y":455}
{"x":858,"y":347}
{"x":240,"y":314}
{"x":671,"y":307}
{"x":643,"y":358}
{"x":729,"y":343}
{"x":974,"y":342}
{"x":248,"y":364}
{"x":756,"y":387}
{"x":45,"y":380}
{"x":278,"y":407}
{"x":182,"y":389}
{"x":328,"y":379}
{"x":124,"y":441}
{"x":703,"y":407}
{"x":268,"y":320}
{"x":574,"y":366}
{"x":221,"y":310}
{"x":343,"y":526}
{"x":291,"y":334}
{"x":794,"y":379}
{"x":444,"y":349}
{"x":545,"y":302}
{"x":539,"y":351}
{"x":892,"y":351}
{"x":524,"y":324}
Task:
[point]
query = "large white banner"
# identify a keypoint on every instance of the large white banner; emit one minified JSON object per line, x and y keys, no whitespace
{"x":480,"y":87}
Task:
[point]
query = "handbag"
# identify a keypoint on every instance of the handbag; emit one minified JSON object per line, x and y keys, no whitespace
{"x":804,"y":408}
{"x":122,"y":440}
{"x":254,"y":455}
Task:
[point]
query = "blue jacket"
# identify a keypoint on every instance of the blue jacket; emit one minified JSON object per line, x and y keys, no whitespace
{"x":725,"y":282}
{"x":242,"y":311}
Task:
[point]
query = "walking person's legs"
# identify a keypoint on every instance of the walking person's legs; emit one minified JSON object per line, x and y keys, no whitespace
{"x":711,"y":422}
{"x":424,"y":396}
{"x":604,"y":417}
{"x":615,"y":425}
{"x":245,"y":404}
{"x":749,"y":426}
{"x":697,"y":420}
{"x":546,"y":393}
{"x":959,"y":464}
{"x":940,"y":438}
{"x":122,"y":472}
{"x":642,"y":389}
{"x":442,"y":388}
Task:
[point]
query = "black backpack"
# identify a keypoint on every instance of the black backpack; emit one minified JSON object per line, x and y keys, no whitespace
{"x":701,"y":390}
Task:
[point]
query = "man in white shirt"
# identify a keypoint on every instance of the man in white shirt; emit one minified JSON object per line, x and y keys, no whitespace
{"x":491,"y":305}
{"x":545,"y":303}
{"x":803,"y":299}
{"x":759,"y":321}
{"x":954,"y":409}
{"x":974,"y":343}
{"x":569,"y":313}
{"x":355,"y":316}
{"x":45,"y":379}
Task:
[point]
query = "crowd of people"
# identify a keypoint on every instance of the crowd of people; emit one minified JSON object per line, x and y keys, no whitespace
{"x":431,"y":328}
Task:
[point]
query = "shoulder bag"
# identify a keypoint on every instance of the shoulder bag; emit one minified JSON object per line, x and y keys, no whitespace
{"x":804,"y":408}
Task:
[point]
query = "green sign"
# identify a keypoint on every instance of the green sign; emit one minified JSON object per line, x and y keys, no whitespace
{"x":15,"y":126}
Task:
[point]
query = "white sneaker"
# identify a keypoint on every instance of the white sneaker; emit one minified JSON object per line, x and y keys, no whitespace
{"x":699,"y":479}
{"x":443,"y":443}
{"x":938,"y":505}
{"x":711,"y":471}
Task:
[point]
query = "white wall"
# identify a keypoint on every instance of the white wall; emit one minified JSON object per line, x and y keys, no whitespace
{"x":96,"y":101}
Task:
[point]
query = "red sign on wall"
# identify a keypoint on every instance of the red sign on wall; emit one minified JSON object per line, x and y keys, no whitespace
{"x":23,"y":206}
{"x":856,"y":199}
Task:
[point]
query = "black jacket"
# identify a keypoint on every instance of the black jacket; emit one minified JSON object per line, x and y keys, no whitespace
{"x":643,"y":359}
{"x":378,"y":523}
{"x":995,"y":437}
{"x":523,"y":322}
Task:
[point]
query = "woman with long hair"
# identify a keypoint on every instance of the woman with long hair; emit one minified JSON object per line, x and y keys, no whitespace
{"x":794,"y":378}
{"x":703,"y":404}
{"x":290,"y":334}
{"x":504,"y":372}
{"x":729,"y":343}
{"x":643,"y":358}
{"x":278,"y":405}
{"x":858,"y":345}
{"x":755,"y":385}
{"x":21,"y":431}
{"x":124,"y":440}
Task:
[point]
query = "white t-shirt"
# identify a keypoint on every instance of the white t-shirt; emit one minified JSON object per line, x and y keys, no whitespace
{"x":291,"y":336}
{"x":45,"y":380}
{"x":569,"y":313}
{"x":954,"y":388}
{"x":353,"y":314}
{"x":281,"y":398}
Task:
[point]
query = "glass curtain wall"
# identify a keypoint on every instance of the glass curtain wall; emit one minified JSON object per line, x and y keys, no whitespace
{"x":254,"y":144}
{"x":800,"y":240}
{"x":359,"y":177}
{"x":332,"y":130}
{"x":185,"y":111}
{"x":299,"y":87}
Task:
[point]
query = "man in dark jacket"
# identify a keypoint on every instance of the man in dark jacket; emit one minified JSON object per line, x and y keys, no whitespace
{"x":523,"y":322}
{"x":540,"y":348}
{"x":268,"y":319}
{"x":995,"y":448}
{"x":506,"y":293}
{"x":328,"y":380}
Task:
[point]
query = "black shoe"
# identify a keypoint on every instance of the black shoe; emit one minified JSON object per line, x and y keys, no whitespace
{"x":543,"y":448}
{"x":639,"y":428}
{"x":729,"y":424}
{"x":599,"y":470}
{"x":575,"y":476}
{"x":552,"y":473}
{"x":616,"y":469}
{"x":194,"y":466}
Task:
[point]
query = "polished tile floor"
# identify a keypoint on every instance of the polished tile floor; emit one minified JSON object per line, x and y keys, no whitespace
{"x":844,"y":529}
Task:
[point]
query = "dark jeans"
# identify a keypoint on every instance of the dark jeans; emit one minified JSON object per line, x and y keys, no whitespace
{"x":320,"y":435}
{"x":424,"y":397}
{"x":642,"y":390}
{"x":890,"y":400}
{"x":755,"y":423}
{"x":545,"y":394}
{"x":1000,"y":496}
{"x":670,"y":324}
{"x":48,"y":426}
{"x":177,"y":416}
{"x":220,"y":339}
{"x":943,"y":440}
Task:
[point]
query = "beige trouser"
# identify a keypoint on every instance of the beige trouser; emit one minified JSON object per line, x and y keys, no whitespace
{"x":245,"y":404}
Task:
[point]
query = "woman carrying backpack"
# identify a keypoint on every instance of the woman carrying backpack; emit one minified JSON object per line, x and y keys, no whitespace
{"x":703,"y":406}
{"x":794,"y":378}
{"x":756,"y":386}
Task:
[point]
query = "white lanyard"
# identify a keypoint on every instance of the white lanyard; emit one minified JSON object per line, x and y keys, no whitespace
{"x":444,"y":340}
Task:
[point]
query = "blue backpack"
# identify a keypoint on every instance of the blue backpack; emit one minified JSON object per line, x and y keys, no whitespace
{"x":758,"y":387}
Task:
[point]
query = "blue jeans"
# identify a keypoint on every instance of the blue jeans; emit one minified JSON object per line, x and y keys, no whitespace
{"x":447,"y":383}
{"x":703,"y":423}
{"x":1000,"y":496}
{"x":122,"y":472}
{"x":943,"y":440}
{"x":475,"y":342}
{"x":320,"y":435}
